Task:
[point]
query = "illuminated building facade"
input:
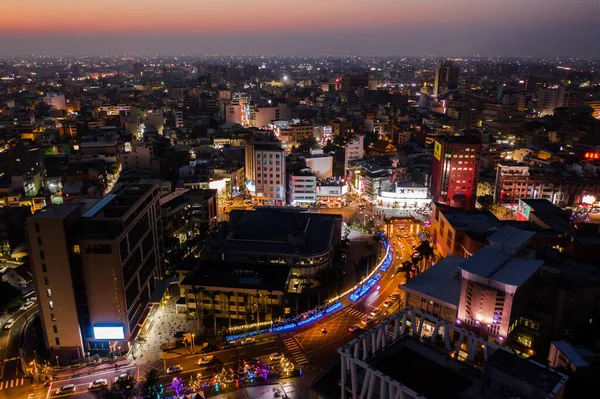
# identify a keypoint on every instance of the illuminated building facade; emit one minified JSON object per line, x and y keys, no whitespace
{"x":455,"y":170}
{"x":96,"y":264}
{"x":265,"y":172}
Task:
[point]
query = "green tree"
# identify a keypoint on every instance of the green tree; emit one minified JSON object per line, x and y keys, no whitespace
{"x":152,"y":388}
{"x":10,"y":297}
{"x":485,"y":201}
{"x":124,"y":388}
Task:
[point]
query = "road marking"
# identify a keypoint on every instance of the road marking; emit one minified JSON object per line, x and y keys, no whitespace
{"x":297,"y":353}
{"x":1,"y":385}
{"x":356,"y":313}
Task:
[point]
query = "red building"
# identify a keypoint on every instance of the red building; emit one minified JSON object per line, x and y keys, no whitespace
{"x":455,"y":170}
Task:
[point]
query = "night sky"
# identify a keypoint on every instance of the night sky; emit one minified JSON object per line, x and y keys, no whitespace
{"x":306,"y":27}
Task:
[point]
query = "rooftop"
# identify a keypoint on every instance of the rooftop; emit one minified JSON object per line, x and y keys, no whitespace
{"x":439,"y":281}
{"x":254,"y":276}
{"x":493,"y":264}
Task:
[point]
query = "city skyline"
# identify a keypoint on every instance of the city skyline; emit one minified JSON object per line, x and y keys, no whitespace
{"x":533,"y":28}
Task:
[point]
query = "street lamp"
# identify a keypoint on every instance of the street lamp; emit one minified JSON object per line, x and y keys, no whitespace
{"x":119,"y":350}
{"x":89,"y":358}
{"x":58,"y":364}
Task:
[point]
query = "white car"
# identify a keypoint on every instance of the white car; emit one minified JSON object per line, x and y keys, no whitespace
{"x":395,"y":296}
{"x":122,"y":377}
{"x":276,"y":356}
{"x":9,"y":324}
{"x":205,"y":360}
{"x":375,"y":312}
{"x":248,"y":341}
{"x":388,"y":303}
{"x":98,"y":384}
{"x":66,"y":389}
{"x":176,"y":368}
{"x":27,"y":305}
{"x":354,"y":328}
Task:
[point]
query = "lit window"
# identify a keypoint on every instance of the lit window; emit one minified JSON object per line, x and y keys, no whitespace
{"x":76,"y":249}
{"x":49,"y":292}
{"x":51,"y":304}
{"x":52,"y":316}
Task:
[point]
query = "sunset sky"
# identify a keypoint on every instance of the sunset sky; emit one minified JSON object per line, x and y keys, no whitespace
{"x":446,"y":27}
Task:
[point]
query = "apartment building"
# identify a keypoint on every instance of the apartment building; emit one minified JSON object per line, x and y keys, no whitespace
{"x":265,"y":172}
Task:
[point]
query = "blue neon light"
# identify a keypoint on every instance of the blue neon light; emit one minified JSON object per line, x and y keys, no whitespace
{"x":387,"y":262}
{"x":310,"y":319}
{"x":363,"y":289}
{"x":333,"y":307}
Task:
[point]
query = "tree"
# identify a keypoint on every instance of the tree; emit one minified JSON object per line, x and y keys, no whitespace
{"x":10,"y":297}
{"x":388,"y":223}
{"x":196,"y":291}
{"x":123,"y":388}
{"x":177,"y":386}
{"x":307,"y":144}
{"x":152,"y":388}
{"x":485,"y":201}
{"x":228,"y":295}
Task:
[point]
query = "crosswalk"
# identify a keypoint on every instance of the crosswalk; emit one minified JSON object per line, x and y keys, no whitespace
{"x":15,"y":382}
{"x":297,"y":353}
{"x":356,"y":313}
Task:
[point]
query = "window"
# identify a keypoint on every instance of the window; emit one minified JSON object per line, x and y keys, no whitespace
{"x":76,"y":249}
{"x":57,"y":341}
{"x":39,"y":239}
{"x":53,"y":316}
{"x":44,"y":269}
{"x":51,"y":304}
{"x":55,"y":329}
{"x":37,"y":228}
{"x":524,"y":341}
{"x":46,"y":281}
{"x":49,"y":292}
{"x":42,"y":256}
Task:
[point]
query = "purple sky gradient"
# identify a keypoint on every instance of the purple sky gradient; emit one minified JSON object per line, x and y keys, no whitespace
{"x":403,"y":27}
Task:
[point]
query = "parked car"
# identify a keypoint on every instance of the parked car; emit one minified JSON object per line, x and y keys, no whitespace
{"x":66,"y":389}
{"x":248,"y":341}
{"x":96,"y":384}
{"x":354,"y":328}
{"x":276,"y":356}
{"x":9,"y":324}
{"x":176,"y":368}
{"x":208,"y":349}
{"x":205,"y":360}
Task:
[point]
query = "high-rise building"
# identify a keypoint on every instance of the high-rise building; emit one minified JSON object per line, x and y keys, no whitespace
{"x":265,"y":172}
{"x":55,"y":100}
{"x":455,"y":170}
{"x":96,"y":264}
{"x":446,"y":78}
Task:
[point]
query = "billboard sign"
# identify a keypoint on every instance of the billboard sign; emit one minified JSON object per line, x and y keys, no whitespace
{"x":109,"y":332}
{"x":437,"y":150}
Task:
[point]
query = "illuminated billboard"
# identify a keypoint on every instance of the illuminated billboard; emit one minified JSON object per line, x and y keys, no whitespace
{"x":109,"y":332}
{"x":437,"y":150}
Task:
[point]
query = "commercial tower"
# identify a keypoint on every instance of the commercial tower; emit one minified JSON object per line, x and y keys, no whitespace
{"x":455,"y":170}
{"x":265,"y":172}
{"x":446,"y":78}
{"x":96,"y":264}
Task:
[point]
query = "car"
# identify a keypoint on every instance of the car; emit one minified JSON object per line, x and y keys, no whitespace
{"x":208,"y":349}
{"x":229,"y":345}
{"x":66,"y":389}
{"x":354,"y":328}
{"x":276,"y":356}
{"x":395,"y":296}
{"x":180,"y":334}
{"x":122,"y":377}
{"x":248,"y":341}
{"x":9,"y":324}
{"x":27,"y":305}
{"x":176,"y":368}
{"x":97,"y":384}
{"x":205,"y":360}
{"x":415,"y":255}
{"x":388,"y":303}
{"x":367,"y":320}
{"x":375,"y":312}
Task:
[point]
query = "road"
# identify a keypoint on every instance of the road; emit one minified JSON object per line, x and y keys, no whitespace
{"x":12,"y":378}
{"x":308,"y":347}
{"x":189,"y":364}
